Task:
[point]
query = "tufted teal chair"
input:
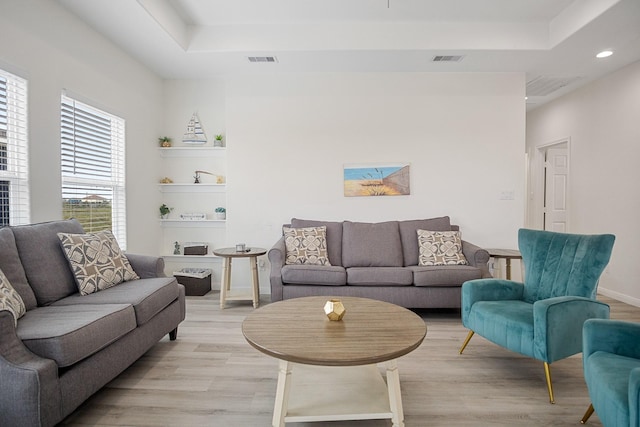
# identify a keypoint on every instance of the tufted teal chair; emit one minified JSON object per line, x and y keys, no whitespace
{"x":543,"y":317}
{"x":611,"y":363}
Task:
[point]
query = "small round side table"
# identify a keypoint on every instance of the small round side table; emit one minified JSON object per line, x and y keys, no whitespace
{"x":507,"y":255}
{"x":225,"y":282}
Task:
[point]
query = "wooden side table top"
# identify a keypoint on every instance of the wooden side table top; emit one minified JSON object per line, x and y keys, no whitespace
{"x":504,"y":253}
{"x":232,"y":253}
{"x":297,"y":330}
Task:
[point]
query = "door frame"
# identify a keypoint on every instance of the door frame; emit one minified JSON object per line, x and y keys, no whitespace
{"x":535,"y":182}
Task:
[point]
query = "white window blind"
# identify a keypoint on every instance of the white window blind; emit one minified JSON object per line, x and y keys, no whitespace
{"x":93,"y":175}
{"x":14,"y":162}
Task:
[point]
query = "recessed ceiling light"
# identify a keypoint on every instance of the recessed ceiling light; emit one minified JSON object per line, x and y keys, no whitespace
{"x":604,"y":54}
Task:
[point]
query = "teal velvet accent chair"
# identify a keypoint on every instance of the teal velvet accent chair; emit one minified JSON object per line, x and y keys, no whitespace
{"x":543,"y":317}
{"x":611,"y":363}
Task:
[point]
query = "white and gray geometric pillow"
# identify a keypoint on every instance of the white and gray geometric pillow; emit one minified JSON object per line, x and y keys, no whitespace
{"x":10,"y":299}
{"x":96,"y":260}
{"x":440,"y":248}
{"x":307,"y":245}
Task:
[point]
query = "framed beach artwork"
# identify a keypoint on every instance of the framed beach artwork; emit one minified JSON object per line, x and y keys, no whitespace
{"x":376,"y":179}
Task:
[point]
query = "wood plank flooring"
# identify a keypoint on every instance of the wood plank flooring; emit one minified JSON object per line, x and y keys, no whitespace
{"x":210,"y":376}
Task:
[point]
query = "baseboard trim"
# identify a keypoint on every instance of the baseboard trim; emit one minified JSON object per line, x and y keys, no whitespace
{"x":620,"y":297}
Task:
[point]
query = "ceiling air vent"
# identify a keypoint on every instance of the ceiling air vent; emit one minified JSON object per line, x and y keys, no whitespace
{"x":262,"y":59}
{"x":447,"y":58}
{"x":544,"y":85}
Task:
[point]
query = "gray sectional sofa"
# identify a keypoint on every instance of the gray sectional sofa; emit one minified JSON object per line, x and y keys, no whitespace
{"x":67,"y":346}
{"x":379,"y":261}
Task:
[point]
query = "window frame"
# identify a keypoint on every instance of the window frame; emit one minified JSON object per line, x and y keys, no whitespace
{"x":84,"y":130}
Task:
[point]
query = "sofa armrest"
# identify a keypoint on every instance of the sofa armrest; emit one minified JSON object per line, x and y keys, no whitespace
{"x":558,"y":324}
{"x":27,"y":379}
{"x":477,"y":257}
{"x":276,"y":257}
{"x":147,"y":266}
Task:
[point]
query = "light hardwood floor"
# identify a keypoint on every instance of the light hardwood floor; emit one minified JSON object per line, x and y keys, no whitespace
{"x":210,"y":376}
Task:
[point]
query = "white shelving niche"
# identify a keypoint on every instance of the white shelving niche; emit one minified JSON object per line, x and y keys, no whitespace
{"x":185,"y":197}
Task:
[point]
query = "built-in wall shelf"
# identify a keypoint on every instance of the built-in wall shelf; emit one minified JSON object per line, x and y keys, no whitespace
{"x":192,"y":188}
{"x":182,"y":163}
{"x":205,"y":258}
{"x":191,"y":151}
{"x":193,"y":222}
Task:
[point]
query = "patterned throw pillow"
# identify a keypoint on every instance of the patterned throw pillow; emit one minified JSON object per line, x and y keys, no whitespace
{"x":306,"y":245}
{"x":440,"y":248}
{"x":96,"y":260}
{"x":10,"y":299}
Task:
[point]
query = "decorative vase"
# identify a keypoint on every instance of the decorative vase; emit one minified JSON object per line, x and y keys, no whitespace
{"x":334,"y":309}
{"x":217,"y":143}
{"x":166,"y":144}
{"x":221,"y":215}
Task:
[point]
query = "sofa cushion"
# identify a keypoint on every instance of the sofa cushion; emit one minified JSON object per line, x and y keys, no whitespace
{"x":379,"y":276}
{"x":12,"y":267}
{"x":409,"y":235}
{"x":96,"y":260}
{"x":10,"y":300}
{"x":440,"y":248}
{"x":306,"y":245}
{"x":313,"y":275}
{"x":371,"y":244}
{"x":148,"y":296}
{"x":43,"y":260}
{"x":334,"y":236}
{"x":72,"y":333}
{"x":444,"y":275}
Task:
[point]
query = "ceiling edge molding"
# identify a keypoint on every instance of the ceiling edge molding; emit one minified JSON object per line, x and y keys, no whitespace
{"x":169,"y":19}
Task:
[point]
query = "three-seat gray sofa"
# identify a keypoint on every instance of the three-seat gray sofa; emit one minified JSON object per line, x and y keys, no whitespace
{"x":379,"y":261}
{"x":67,"y":346}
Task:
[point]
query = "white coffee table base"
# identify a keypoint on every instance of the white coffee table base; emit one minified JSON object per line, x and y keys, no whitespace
{"x":308,"y":393}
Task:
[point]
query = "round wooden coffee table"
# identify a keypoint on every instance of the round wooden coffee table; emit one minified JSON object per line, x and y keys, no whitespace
{"x":328,"y":368}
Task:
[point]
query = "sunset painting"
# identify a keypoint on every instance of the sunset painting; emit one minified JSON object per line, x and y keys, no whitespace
{"x":384,"y":179}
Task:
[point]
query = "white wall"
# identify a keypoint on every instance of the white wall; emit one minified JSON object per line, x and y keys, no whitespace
{"x":289,"y":136}
{"x":54,"y":51}
{"x":602,"y":122}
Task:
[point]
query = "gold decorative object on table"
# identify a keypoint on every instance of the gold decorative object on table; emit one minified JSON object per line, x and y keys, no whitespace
{"x":166,"y":180}
{"x":334,"y":309}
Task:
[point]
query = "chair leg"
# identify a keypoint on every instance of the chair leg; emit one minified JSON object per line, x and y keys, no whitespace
{"x":547,"y":374}
{"x":466,"y":341}
{"x":587,"y":414}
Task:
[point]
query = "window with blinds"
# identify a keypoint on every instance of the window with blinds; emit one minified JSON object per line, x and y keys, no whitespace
{"x":14,"y":162}
{"x":93,"y":176}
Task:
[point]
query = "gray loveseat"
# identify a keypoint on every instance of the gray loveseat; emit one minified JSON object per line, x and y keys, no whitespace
{"x":67,"y":346}
{"x":379,"y":261}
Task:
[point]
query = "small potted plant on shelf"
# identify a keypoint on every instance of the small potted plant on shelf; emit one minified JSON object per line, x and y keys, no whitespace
{"x":221,"y":213}
{"x":218,"y":141}
{"x":164,"y":211}
{"x":164,"y":141}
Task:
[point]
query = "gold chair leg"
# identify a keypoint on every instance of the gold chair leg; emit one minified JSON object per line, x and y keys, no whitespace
{"x":587,"y":414}
{"x":547,"y":373}
{"x":466,"y":341}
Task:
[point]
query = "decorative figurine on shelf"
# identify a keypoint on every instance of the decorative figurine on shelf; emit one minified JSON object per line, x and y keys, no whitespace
{"x":196,"y":177}
{"x":164,"y":141}
{"x":164,"y":211}
{"x":166,"y":180}
{"x":176,"y":248}
{"x":195,"y":133}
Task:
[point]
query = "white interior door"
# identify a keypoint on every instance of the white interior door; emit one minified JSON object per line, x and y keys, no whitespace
{"x":555,"y":189}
